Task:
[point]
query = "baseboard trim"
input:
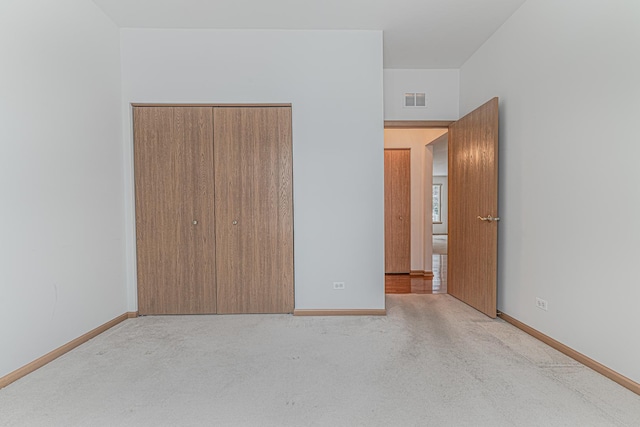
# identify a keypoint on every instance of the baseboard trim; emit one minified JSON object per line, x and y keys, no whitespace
{"x":426,"y":274}
{"x":579,"y":357}
{"x":54,"y":354}
{"x":357,"y":312}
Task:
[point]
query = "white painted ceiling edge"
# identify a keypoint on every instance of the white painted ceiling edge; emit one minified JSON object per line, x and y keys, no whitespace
{"x":418,"y":34}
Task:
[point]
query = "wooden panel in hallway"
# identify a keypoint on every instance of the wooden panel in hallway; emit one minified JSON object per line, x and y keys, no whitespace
{"x":397,"y":210}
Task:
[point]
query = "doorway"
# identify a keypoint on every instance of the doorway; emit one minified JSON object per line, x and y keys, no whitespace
{"x":427,"y":273}
{"x":473,"y":198}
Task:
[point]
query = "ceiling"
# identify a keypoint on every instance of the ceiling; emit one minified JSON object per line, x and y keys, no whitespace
{"x":417,"y":33}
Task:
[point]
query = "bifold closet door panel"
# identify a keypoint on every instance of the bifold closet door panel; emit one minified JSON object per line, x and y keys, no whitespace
{"x":254,"y":209}
{"x":173,"y":155}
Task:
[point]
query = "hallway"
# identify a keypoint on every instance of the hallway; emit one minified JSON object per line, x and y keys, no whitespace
{"x":407,"y":284}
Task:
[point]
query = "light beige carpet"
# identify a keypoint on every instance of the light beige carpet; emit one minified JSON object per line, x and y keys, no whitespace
{"x":433,"y":361}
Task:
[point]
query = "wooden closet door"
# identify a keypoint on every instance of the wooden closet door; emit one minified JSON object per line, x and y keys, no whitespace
{"x":174,"y":210}
{"x":254,"y":209}
{"x":397,"y":210}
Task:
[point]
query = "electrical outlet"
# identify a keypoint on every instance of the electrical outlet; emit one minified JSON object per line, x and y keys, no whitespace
{"x":541,"y":304}
{"x":338,"y":285}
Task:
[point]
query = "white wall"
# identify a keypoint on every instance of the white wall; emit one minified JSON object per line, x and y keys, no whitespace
{"x":417,"y":141}
{"x":567,"y":78}
{"x":61,"y":216}
{"x":337,"y":147}
{"x":444,"y":205}
{"x":441,"y":88}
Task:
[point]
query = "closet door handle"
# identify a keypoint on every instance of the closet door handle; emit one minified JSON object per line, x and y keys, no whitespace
{"x":234,"y":222}
{"x":194,"y":222}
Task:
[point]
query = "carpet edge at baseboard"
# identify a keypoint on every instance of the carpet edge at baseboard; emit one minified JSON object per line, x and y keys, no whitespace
{"x":355,"y":312}
{"x":54,"y":354}
{"x":575,"y":355}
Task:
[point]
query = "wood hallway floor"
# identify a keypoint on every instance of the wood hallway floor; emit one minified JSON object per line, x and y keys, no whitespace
{"x":406,"y":284}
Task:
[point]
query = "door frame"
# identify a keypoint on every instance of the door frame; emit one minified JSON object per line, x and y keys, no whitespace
{"x":419,"y":124}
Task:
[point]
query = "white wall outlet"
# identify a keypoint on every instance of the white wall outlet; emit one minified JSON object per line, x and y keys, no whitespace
{"x":541,"y":304}
{"x":338,"y":285}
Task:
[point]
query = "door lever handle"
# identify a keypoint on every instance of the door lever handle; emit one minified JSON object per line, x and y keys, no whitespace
{"x":489,"y":218}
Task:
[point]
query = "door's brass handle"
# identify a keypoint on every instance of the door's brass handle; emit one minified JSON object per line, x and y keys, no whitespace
{"x":489,"y":218}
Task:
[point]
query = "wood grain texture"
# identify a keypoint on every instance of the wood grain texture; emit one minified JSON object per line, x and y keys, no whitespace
{"x":473,"y":192}
{"x":408,"y":284}
{"x":173,"y":157}
{"x":54,"y":354}
{"x":253,"y":187}
{"x":575,"y":355}
{"x":397,"y":210}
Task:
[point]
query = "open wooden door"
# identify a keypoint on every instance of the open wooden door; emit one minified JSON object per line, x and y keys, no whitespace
{"x":473,"y":208}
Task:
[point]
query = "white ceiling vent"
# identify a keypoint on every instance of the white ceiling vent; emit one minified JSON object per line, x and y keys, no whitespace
{"x":415,"y":100}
